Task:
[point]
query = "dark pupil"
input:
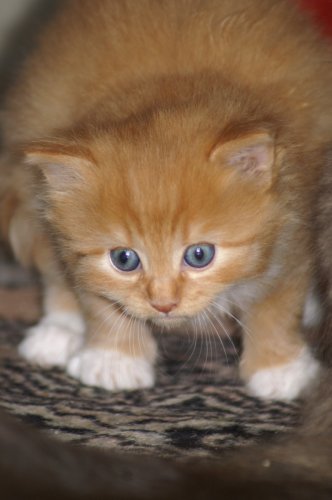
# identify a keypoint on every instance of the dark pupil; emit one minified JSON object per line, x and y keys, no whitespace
{"x":124,"y":256}
{"x":199,"y":253}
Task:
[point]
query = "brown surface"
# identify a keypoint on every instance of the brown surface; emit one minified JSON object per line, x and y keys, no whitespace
{"x":20,"y":304}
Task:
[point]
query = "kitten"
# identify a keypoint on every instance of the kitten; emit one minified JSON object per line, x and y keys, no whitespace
{"x":298,"y":466}
{"x":160,"y":163}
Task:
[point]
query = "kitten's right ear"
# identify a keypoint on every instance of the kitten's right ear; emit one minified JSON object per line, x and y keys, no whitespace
{"x":62,"y":165}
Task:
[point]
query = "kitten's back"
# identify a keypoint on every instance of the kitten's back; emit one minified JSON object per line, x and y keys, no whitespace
{"x":93,"y":49}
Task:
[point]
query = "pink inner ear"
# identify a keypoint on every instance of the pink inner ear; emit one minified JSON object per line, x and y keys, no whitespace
{"x":252,"y":159}
{"x":61,"y":171}
{"x":252,"y":154}
{"x":61,"y":162}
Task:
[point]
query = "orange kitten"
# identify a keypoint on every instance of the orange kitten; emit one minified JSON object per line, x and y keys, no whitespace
{"x":160,"y":162}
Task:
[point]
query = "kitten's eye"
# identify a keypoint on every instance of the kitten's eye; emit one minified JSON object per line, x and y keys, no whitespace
{"x":199,"y":255}
{"x":125,"y":259}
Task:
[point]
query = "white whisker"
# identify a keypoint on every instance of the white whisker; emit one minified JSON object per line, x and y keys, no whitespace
{"x":217,"y":333}
{"x":229,"y":337}
{"x":244,"y":328}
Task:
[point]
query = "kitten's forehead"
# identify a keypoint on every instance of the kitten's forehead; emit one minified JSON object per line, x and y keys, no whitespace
{"x":159,"y":188}
{"x":159,"y":177}
{"x":164,"y":202}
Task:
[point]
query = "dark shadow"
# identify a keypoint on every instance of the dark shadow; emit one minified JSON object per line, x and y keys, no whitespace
{"x":22,"y":39}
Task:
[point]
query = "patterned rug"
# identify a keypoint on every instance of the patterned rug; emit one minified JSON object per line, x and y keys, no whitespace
{"x":197,"y":408}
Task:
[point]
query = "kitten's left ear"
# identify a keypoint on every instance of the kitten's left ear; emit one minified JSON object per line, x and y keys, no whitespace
{"x":63,"y":165}
{"x":251,"y":155}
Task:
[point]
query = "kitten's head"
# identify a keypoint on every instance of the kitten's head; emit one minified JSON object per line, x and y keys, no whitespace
{"x":156,"y":220}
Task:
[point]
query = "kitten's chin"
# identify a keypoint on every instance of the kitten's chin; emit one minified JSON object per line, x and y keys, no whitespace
{"x":169,"y":321}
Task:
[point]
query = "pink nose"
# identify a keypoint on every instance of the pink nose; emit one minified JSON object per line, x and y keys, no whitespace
{"x":164,"y":308}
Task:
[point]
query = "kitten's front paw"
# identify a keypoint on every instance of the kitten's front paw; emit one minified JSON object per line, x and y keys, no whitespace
{"x":53,"y":340}
{"x":111,"y":370}
{"x":285,"y":382}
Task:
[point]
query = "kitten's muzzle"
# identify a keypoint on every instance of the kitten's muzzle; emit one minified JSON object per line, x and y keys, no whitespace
{"x":164,"y":307}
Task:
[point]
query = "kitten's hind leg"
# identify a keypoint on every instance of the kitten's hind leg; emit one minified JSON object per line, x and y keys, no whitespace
{"x":119,"y":351}
{"x":60,"y":332}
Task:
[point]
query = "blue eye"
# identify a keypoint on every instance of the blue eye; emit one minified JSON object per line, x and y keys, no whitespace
{"x":199,"y":255}
{"x":125,"y":259}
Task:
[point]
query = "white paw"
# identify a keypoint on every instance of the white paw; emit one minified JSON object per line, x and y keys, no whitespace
{"x":53,"y":340}
{"x":111,"y":370}
{"x":285,"y":382}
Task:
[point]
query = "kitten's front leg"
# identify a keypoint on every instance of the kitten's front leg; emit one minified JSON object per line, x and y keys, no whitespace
{"x":276,"y":362}
{"x":119,"y":352}
{"x":60,"y":332}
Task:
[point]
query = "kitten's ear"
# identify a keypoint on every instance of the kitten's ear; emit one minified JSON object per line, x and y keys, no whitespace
{"x":250,"y":154}
{"x":62,"y":165}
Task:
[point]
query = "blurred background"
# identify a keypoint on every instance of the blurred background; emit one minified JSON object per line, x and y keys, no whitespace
{"x":19,"y":22}
{"x":11,"y":13}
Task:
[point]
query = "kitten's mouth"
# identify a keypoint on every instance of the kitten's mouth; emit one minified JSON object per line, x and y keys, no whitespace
{"x":169,"y":321}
